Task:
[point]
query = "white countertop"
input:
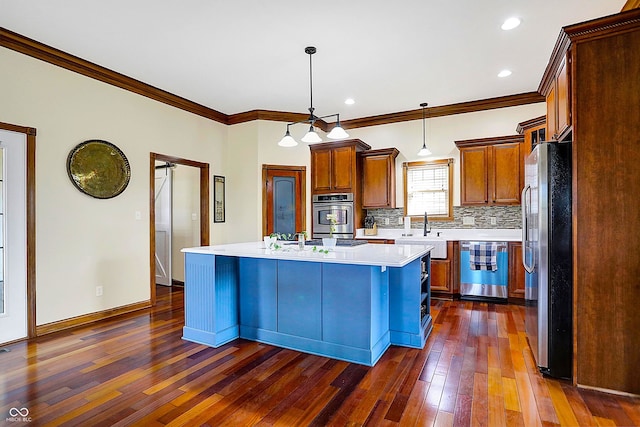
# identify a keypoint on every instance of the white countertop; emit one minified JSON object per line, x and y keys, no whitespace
{"x":477,"y":234}
{"x":397,"y":255}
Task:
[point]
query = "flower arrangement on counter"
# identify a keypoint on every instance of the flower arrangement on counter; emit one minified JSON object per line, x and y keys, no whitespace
{"x":333,"y":220}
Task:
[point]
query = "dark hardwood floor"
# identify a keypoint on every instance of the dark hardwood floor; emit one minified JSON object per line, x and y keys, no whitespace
{"x":475,"y":370}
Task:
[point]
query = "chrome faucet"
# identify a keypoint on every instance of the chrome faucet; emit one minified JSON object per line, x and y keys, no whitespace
{"x":427,"y":228}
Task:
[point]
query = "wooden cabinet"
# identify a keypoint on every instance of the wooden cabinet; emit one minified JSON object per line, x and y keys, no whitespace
{"x":534,"y":132}
{"x":335,"y":167}
{"x":441,"y":275}
{"x":381,"y":241}
{"x":379,"y":178}
{"x":516,"y":272}
{"x":603,"y":68}
{"x":445,"y":275}
{"x":491,"y":171}
{"x":557,"y":96}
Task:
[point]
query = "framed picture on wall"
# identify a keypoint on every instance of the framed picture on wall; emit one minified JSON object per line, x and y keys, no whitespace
{"x":218,"y":198}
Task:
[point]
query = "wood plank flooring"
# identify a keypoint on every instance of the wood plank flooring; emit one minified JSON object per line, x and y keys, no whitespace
{"x":475,"y":370}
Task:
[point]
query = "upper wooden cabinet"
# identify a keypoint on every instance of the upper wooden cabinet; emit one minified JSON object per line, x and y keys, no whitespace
{"x":490,"y":171}
{"x":556,"y":91}
{"x":534,"y":132}
{"x":335,"y":166}
{"x":379,"y":178}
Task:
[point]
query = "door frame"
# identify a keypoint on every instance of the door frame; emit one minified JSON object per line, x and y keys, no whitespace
{"x":31,"y":222}
{"x":204,"y":208}
{"x":302,"y":176}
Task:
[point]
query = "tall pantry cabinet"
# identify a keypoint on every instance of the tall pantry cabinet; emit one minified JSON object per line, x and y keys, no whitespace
{"x":600,"y":61}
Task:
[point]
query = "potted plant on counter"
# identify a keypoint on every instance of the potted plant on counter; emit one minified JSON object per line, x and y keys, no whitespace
{"x":330,"y":242}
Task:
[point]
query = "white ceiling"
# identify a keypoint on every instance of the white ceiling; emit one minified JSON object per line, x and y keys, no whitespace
{"x":241,"y":55}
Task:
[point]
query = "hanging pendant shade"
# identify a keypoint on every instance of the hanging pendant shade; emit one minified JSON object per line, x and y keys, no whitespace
{"x":424,"y":151}
{"x":287,"y":140}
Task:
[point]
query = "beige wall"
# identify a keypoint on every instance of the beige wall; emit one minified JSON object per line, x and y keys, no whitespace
{"x":84,"y":242}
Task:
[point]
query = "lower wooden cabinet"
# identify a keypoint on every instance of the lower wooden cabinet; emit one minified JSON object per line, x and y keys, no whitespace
{"x":516,"y":272}
{"x":445,"y":282}
{"x":381,"y":241}
{"x":441,"y":275}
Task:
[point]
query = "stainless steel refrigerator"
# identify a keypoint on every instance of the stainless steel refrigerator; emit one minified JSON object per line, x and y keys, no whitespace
{"x":547,"y":257}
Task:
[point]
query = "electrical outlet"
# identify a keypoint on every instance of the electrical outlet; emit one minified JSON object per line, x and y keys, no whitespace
{"x":400,"y":221}
{"x":138,"y":215}
{"x":98,"y":291}
{"x":468,"y":220}
{"x":386,"y":221}
{"x":493,"y":220}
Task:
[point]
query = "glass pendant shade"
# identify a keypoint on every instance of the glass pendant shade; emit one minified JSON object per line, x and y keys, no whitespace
{"x":337,"y":133}
{"x":287,"y":140}
{"x":424,"y":151}
{"x":311,"y":136}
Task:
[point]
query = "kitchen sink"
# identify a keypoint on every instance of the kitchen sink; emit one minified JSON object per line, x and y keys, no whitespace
{"x":439,"y":243}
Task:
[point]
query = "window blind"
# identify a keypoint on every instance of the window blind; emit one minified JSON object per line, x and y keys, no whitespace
{"x":428,"y":190}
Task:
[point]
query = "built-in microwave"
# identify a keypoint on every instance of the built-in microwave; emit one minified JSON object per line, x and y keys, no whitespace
{"x":338,"y":204}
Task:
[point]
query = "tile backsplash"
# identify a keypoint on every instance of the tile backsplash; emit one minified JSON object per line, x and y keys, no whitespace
{"x":505,"y":217}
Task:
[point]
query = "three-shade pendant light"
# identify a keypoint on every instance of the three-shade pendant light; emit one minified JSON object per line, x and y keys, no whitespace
{"x":312,"y":137}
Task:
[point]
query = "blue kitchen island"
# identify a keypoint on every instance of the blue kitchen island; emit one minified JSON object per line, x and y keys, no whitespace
{"x":350,"y":304}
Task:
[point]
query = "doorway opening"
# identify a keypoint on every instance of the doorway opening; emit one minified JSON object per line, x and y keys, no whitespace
{"x":163,"y":164}
{"x":28,"y":219}
{"x":283,"y":199}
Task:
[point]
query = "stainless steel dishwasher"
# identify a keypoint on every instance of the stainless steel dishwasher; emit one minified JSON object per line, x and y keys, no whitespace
{"x":478,"y":279}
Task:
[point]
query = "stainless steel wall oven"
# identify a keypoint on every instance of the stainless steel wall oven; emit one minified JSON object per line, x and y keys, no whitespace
{"x":339,"y":204}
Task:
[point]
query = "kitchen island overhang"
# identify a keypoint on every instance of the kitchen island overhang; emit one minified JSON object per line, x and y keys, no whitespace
{"x":349,"y":304}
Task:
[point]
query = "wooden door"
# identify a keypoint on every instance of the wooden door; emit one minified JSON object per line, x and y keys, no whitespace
{"x":283,"y":199}
{"x":505,"y":183}
{"x":473,"y":176}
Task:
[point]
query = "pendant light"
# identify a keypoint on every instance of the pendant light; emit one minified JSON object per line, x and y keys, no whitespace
{"x":424,"y":151}
{"x":312,"y":136}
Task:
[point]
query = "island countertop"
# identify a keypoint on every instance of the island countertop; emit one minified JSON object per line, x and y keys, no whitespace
{"x":368,"y":254}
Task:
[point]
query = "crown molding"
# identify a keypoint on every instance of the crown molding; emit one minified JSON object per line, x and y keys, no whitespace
{"x":508,"y":139}
{"x":446,"y":110}
{"x":35,"y":49}
{"x":528,"y":124}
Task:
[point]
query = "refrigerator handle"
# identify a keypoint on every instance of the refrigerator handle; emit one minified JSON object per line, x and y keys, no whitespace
{"x":525,"y":228}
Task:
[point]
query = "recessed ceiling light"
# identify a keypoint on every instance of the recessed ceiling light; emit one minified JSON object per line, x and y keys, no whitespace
{"x":504,"y":73}
{"x":510,"y":23}
{"x":349,"y":101}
